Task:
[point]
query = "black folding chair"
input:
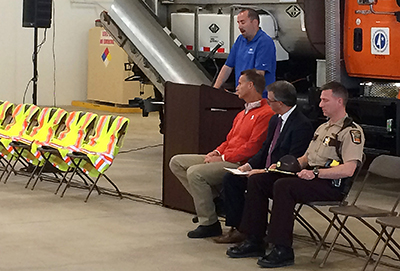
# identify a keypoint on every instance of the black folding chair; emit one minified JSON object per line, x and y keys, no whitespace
{"x":316,"y":205}
{"x":384,"y":166}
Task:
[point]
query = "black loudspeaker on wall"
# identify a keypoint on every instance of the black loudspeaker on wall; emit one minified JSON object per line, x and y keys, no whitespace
{"x":37,"y":13}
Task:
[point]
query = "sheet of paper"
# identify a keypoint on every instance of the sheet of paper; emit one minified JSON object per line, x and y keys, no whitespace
{"x":236,"y":171}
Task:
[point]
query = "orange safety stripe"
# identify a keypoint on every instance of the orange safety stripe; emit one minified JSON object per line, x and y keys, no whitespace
{"x":81,"y":133}
{"x":108,"y":158}
{"x":4,"y":136}
{"x":59,"y":115}
{"x":40,"y":121}
{"x":24,"y":127}
{"x":111,"y":145}
{"x":98,"y":130}
{"x":15,"y":113}
{"x":101,"y":167}
{"x":68,"y":123}
{"x":5,"y":106}
{"x":55,"y":145}
{"x":98,"y":164}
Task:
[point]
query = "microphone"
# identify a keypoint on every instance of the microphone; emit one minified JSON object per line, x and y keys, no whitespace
{"x":215,"y":49}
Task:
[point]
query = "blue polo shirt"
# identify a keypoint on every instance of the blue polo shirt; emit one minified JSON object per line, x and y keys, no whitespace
{"x":259,"y":53}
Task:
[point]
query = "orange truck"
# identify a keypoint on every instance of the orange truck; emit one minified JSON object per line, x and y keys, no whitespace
{"x":372,"y":39}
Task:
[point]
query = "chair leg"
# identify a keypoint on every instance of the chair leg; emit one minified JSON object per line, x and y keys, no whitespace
{"x":322,"y":242}
{"x":5,"y":167}
{"x":373,"y":249}
{"x":40,"y":172}
{"x":62,"y":181}
{"x":37,"y":177}
{"x":86,"y":178}
{"x":336,"y":227}
{"x":334,"y":240}
{"x":68,"y":182}
{"x":377,"y":233}
{"x":19,"y":154}
{"x":309,"y":228}
{"x":72,"y":175}
{"x":4,"y":172}
{"x":33,"y":175}
{"x":389,"y":237}
{"x":114,"y":185}
{"x":92,"y":187}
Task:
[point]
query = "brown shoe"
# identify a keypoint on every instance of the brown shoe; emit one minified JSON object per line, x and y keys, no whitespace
{"x":231,"y":237}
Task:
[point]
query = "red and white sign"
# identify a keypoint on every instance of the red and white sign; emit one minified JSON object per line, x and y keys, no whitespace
{"x":106,"y":39}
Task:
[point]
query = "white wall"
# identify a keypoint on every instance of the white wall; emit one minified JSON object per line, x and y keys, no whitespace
{"x":71,"y":22}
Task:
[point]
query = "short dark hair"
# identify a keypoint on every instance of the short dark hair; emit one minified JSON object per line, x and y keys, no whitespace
{"x":252,"y":14}
{"x":284,"y":92}
{"x":258,"y":80}
{"x":338,"y":90}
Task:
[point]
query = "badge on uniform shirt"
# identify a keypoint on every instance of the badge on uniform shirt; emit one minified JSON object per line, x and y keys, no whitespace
{"x":355,"y":136}
{"x":326,"y":141}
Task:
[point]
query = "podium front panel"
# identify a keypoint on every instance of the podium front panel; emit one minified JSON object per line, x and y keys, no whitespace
{"x":197,"y":120}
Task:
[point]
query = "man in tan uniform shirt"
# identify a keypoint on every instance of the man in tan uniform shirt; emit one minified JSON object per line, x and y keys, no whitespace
{"x":333,"y":155}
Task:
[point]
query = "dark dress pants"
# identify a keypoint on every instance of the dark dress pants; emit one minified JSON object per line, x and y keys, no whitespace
{"x":234,"y":188}
{"x":255,"y":213}
{"x":286,"y":193}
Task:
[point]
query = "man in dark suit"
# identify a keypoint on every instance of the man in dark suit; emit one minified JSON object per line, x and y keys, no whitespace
{"x":289,"y":132}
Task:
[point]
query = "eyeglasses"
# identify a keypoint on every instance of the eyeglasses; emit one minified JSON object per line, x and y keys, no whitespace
{"x":269,"y":101}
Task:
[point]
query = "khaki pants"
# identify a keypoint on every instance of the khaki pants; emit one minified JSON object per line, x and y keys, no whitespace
{"x":198,"y":178}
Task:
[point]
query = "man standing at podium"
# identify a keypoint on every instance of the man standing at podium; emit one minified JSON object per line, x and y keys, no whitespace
{"x":253,"y":49}
{"x":199,"y":174}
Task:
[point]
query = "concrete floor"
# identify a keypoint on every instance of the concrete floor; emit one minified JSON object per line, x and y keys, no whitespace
{"x":41,"y":231}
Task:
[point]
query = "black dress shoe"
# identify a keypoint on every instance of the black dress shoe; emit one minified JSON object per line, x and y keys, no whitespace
{"x":246,"y":249}
{"x":279,"y":256}
{"x":206,"y":231}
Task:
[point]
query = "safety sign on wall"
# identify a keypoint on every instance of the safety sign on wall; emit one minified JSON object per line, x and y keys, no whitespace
{"x":380,"y":40}
{"x":106,"y":39}
{"x":106,"y":57}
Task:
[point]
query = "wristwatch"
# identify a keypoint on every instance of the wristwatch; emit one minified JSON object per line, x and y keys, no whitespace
{"x":315,"y":171}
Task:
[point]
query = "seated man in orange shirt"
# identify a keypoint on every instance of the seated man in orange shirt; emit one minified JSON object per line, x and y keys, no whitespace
{"x":199,"y":173}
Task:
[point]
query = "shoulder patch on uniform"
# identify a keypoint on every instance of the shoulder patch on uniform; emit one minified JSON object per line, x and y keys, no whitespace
{"x":355,"y":136}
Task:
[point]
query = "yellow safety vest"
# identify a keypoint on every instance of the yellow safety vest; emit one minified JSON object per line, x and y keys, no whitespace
{"x":22,"y":119}
{"x":44,"y":130}
{"x":104,"y":145}
{"x":77,"y":127}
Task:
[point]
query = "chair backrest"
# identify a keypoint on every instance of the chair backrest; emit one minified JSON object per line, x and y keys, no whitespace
{"x":109,"y":134}
{"x":23,"y":118}
{"x":76,"y":131}
{"x":46,"y":126}
{"x":385,"y":166}
{"x":350,"y":181}
{"x":105,"y":144}
{"x":78,"y":127}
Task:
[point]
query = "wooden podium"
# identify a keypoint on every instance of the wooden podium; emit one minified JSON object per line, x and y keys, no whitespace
{"x":197,"y":120}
